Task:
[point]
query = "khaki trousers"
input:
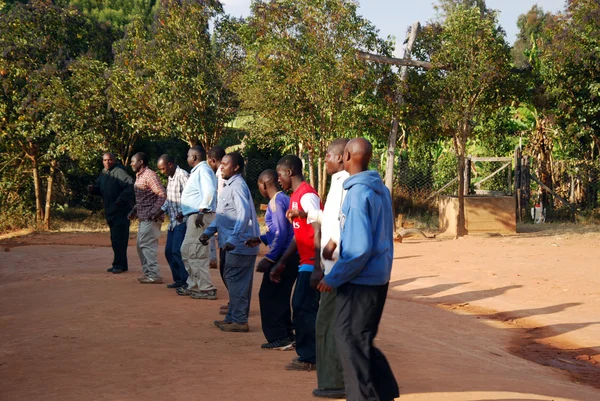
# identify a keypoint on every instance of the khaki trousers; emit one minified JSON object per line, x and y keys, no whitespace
{"x":196,"y":256}
{"x":147,"y":247}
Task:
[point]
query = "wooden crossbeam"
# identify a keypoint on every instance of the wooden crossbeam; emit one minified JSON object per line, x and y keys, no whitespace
{"x":392,"y":60}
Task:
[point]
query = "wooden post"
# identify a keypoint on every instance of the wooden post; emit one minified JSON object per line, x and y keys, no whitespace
{"x":467,"y":175}
{"x":517,"y":183}
{"x":393,"y":138}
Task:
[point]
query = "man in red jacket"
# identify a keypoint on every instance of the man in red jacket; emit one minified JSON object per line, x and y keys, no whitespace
{"x":305,"y":301}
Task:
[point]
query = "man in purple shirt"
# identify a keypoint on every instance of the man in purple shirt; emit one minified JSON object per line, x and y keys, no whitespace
{"x":274,"y":298}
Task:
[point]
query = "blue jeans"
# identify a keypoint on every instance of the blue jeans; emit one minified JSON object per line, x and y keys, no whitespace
{"x":238,"y":273}
{"x":173,"y":253}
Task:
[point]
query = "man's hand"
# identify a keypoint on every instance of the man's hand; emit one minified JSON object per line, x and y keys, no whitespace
{"x":294,"y":213}
{"x":264,"y":265}
{"x":157,"y":216}
{"x":253,"y":242}
{"x":179,"y":217}
{"x":199,"y":220}
{"x":132,"y":215}
{"x":315,"y":278}
{"x":328,"y":250}
{"x":275,"y":274}
{"x":324,"y":287}
{"x":204,"y":239}
{"x":228,"y":247}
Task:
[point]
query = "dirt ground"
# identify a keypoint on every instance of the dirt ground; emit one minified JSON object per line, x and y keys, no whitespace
{"x":477,"y":319}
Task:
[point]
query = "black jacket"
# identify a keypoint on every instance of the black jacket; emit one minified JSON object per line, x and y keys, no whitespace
{"x":116,"y":188}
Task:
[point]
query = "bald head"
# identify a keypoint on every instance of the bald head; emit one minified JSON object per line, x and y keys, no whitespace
{"x":337,"y":147}
{"x":357,"y":155}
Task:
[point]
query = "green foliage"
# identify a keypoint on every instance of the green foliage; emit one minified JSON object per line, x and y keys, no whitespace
{"x":116,"y":13}
{"x":301,"y":75}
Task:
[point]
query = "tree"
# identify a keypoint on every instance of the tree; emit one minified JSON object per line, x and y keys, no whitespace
{"x":471,"y":65}
{"x":166,"y":81}
{"x":40,"y":116}
{"x":302,"y":78}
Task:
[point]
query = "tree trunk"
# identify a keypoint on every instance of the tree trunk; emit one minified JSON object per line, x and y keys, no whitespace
{"x":311,"y":168}
{"x":460,"y":144}
{"x":39,"y":211}
{"x":53,"y":165}
{"x":321,"y":188}
{"x":323,"y":180}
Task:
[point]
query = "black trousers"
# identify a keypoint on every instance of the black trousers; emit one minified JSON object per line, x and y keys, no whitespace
{"x":275,"y":303}
{"x":119,"y":237}
{"x":367,"y":373}
{"x":305,"y":305}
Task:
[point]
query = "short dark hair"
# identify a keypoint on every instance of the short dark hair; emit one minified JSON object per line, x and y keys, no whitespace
{"x":269,"y":175}
{"x":291,"y":162}
{"x":167,"y":158}
{"x":237,"y":159}
{"x":216,"y":152}
{"x":200,"y":150}
{"x":143,"y":157}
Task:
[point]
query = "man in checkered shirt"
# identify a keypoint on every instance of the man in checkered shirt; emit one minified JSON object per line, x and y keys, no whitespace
{"x":150,"y":195}
{"x":177,"y":223}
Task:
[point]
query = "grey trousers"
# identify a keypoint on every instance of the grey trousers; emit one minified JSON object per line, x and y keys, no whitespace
{"x":239,"y":274}
{"x":195,"y":256}
{"x":329,"y":368}
{"x":147,"y":247}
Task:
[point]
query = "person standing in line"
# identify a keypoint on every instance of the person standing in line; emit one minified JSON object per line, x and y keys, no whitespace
{"x":274,"y":298}
{"x":305,"y":301}
{"x":150,"y":195}
{"x":198,"y":204}
{"x":361,"y":276}
{"x":116,"y":188}
{"x":177,"y":224}
{"x":236,"y":223}
{"x":330,"y":378}
{"x":215,"y":155}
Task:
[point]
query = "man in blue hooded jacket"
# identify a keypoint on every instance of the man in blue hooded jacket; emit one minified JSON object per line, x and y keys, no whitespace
{"x":361,"y":276}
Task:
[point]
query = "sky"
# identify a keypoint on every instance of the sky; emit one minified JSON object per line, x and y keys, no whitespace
{"x":393,"y":17}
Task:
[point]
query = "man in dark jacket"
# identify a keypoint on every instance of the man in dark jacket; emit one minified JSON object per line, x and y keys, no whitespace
{"x":116,"y":188}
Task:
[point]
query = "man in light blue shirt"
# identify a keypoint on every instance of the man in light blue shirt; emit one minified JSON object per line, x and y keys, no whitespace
{"x":198,"y":204}
{"x":236,"y":223}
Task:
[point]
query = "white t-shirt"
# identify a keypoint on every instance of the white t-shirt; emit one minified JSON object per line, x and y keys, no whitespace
{"x":330,"y":217}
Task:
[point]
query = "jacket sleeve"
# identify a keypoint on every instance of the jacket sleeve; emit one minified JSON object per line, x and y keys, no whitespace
{"x":240,"y":196}
{"x":126,"y":185}
{"x":356,"y":243}
{"x":281,"y":226}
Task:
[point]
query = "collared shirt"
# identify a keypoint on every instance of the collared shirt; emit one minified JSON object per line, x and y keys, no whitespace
{"x":280,"y":232}
{"x":236,"y":218}
{"x":200,"y":191}
{"x":329,"y":218}
{"x":172,"y":205}
{"x":220,"y":180}
{"x":150,"y":194}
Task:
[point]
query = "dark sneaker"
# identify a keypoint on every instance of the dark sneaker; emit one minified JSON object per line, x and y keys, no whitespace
{"x":110,"y":269}
{"x":211,"y":294}
{"x":280,"y":345}
{"x":174,"y":285}
{"x":151,"y":280}
{"x":116,"y":270}
{"x":339,"y":393}
{"x":183,"y":291}
{"x":300,"y":365}
{"x":235,"y":327}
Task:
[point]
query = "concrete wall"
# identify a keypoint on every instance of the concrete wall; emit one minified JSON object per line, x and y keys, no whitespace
{"x":483,"y":214}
